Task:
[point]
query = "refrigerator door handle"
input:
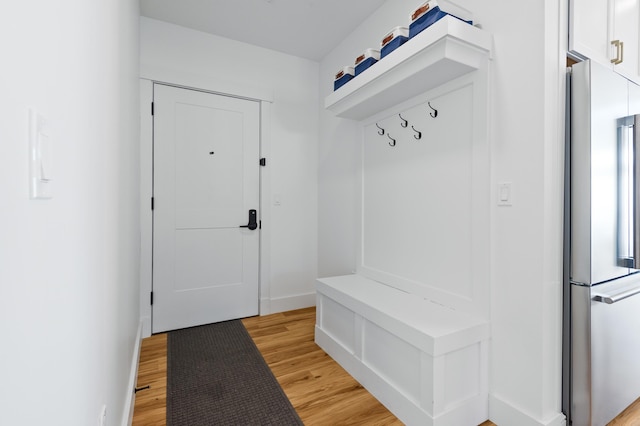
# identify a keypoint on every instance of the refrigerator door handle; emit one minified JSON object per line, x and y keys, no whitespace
{"x":610,"y":299}
{"x":629,"y":196}
{"x":635,"y":196}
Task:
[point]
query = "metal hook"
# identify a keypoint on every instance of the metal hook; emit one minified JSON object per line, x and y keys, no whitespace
{"x":381,"y":132}
{"x":405,"y":124}
{"x":419,"y":133}
{"x":392,"y":139}
{"x":433,"y":114}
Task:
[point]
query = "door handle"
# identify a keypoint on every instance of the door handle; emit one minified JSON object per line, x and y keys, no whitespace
{"x":635,"y":249}
{"x":629,"y":179}
{"x":619,"y":52}
{"x":253,"y":220}
{"x":610,"y":299}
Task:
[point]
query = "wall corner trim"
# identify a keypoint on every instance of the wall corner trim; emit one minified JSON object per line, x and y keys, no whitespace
{"x":503,"y":413}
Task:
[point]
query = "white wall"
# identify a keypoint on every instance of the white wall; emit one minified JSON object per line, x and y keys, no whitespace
{"x":69,"y":265}
{"x":290,"y":145}
{"x":526,"y":143}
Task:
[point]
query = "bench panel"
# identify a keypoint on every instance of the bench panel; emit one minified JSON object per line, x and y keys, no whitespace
{"x":393,"y":359}
{"x":338,"y":322}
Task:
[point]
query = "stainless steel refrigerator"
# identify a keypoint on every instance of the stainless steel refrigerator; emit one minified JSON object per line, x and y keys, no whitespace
{"x":602,"y":286}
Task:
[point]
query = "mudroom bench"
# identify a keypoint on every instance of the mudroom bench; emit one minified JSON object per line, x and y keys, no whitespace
{"x":425,"y":362}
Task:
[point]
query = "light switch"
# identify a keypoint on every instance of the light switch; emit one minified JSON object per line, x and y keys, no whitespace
{"x":505,"y":194}
{"x":40,"y":157}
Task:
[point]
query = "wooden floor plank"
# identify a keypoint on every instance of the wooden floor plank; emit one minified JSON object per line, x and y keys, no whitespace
{"x":151,"y":404}
{"x":629,"y":417}
{"x":321,"y":391}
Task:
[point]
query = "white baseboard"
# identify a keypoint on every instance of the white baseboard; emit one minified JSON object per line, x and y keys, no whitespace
{"x":129,"y":403}
{"x":289,"y":303}
{"x":503,"y":413}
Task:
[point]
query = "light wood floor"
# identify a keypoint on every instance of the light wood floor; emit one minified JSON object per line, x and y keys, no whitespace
{"x":319,"y":389}
{"x":151,"y":404}
{"x":629,"y":417}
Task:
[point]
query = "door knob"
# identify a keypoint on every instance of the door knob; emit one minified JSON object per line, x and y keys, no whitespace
{"x":253,"y":220}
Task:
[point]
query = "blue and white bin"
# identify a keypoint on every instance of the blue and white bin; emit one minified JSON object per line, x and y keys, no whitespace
{"x":342,"y":77}
{"x":368,"y":58}
{"x":430,"y":12}
{"x":394,"y":39}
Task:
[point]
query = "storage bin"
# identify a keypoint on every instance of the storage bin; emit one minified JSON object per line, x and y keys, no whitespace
{"x":368,"y":58}
{"x":342,"y":77}
{"x":430,"y":12}
{"x":394,"y":39}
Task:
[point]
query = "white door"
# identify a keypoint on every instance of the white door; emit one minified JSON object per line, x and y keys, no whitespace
{"x":205,"y":187}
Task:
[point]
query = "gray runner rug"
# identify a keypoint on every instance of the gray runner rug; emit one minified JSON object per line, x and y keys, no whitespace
{"x":217,"y":376}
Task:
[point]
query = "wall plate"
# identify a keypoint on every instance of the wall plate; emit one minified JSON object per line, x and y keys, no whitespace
{"x":40,"y":157}
{"x":505,"y":194}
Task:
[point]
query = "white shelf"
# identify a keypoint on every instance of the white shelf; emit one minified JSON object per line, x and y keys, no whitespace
{"x":446,"y":50}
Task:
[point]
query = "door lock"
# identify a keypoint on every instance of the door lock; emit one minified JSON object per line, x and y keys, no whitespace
{"x":253,"y":220}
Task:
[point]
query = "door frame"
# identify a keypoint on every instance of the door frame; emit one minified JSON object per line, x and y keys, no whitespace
{"x":149,"y":76}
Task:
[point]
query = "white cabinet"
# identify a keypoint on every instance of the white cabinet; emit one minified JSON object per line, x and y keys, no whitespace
{"x":625,"y":31}
{"x":589,"y":29}
{"x":607,"y":32}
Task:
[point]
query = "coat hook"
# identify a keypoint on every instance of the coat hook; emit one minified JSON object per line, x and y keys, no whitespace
{"x":405,"y":122}
{"x":419,"y":133}
{"x":434,"y":114}
{"x":381,"y":132}
{"x":393,"y":141}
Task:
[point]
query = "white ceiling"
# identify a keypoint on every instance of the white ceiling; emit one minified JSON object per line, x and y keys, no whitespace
{"x":305,"y":28}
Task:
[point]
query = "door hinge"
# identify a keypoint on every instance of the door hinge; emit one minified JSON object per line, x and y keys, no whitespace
{"x":151,"y":298}
{"x":152,"y":203}
{"x":263,"y":162}
{"x":260,"y":224}
{"x":152,"y":109}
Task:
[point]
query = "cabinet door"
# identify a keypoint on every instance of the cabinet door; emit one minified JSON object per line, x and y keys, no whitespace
{"x":626,"y":23}
{"x":590,"y":24}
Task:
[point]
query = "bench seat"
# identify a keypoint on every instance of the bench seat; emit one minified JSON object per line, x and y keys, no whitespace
{"x":425,"y":362}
